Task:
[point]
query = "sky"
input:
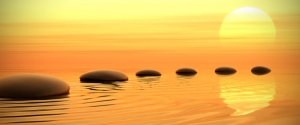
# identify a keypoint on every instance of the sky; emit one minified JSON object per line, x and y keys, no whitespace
{"x":76,"y":10}
{"x":108,"y":23}
{"x":173,"y":29}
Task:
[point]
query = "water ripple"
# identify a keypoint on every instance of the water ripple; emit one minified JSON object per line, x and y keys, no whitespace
{"x":142,"y":100}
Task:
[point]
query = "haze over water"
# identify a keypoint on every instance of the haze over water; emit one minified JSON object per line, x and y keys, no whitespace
{"x":68,"y":38}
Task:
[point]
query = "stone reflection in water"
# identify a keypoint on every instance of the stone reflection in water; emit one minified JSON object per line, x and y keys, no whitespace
{"x":108,"y":86}
{"x":185,"y":79}
{"x":33,"y":110}
{"x":247,"y":94}
{"x":99,"y":94}
{"x":148,"y":82}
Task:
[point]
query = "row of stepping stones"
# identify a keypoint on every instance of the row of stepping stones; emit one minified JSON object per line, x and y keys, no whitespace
{"x":38,"y":85}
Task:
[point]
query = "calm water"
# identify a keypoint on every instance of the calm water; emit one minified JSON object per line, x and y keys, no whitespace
{"x":206,"y":99}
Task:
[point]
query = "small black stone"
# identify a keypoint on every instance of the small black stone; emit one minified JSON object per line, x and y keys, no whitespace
{"x":186,"y":71}
{"x":225,"y":71}
{"x":260,"y":70}
{"x":148,"y":72}
{"x":103,"y":75}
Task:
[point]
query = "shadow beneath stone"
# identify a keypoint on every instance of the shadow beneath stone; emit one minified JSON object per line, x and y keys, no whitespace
{"x":148,"y":79}
{"x":115,"y":83}
{"x":186,"y":73}
{"x":99,"y":81}
{"x":185,"y":76}
{"x":141,"y":77}
{"x":102,"y":86}
{"x":40,"y":98}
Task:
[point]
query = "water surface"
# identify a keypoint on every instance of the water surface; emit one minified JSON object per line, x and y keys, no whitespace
{"x":205,"y":98}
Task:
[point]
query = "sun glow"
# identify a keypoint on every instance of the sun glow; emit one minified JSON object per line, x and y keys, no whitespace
{"x":247,"y":94}
{"x":248,"y":23}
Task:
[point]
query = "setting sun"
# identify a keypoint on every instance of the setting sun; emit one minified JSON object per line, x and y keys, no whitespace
{"x":248,"y":23}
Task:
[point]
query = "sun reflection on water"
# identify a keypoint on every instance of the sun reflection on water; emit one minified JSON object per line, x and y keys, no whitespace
{"x":247,"y":94}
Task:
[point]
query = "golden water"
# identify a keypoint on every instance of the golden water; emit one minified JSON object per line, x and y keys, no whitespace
{"x":206,"y":99}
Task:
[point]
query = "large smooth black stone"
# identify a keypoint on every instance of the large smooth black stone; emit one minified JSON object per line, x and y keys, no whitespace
{"x":32,"y":86}
{"x":148,"y":72}
{"x":225,"y":71}
{"x":186,"y":71}
{"x":103,"y":75}
{"x":260,"y":70}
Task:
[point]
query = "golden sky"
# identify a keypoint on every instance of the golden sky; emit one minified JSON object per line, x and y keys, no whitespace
{"x":182,"y":29}
{"x":120,"y":24}
{"x":78,"y":10}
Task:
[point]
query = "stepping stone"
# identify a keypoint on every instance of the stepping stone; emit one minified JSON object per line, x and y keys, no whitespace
{"x":260,"y":70}
{"x":186,"y":71}
{"x":103,"y":75}
{"x":225,"y":71}
{"x":32,"y":86}
{"x":148,"y":72}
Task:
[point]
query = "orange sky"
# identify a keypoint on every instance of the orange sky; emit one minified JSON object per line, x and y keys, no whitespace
{"x":63,"y":34}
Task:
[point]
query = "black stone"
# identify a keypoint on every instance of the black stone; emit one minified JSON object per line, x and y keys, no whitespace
{"x":32,"y":86}
{"x":103,"y":75}
{"x":260,"y":70}
{"x":186,"y":71}
{"x":225,"y":71}
{"x":148,"y":72}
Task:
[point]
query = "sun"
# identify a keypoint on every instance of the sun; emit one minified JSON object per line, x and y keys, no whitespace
{"x":247,"y":24}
